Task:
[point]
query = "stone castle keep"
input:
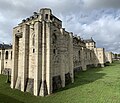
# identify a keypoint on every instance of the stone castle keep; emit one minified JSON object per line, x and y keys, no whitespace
{"x":44,"y":56}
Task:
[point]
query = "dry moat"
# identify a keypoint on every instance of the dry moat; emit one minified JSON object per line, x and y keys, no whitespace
{"x":98,"y":85}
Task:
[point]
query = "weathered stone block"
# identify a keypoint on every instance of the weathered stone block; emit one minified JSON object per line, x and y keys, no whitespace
{"x":18,"y":83}
{"x":6,"y":70}
{"x":78,"y":69}
{"x":30,"y":85}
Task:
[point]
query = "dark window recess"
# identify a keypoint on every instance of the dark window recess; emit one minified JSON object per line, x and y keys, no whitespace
{"x":54,"y":51}
{"x":86,"y":55}
{"x":11,"y":54}
{"x":6,"y":56}
{"x":79,"y":55}
{"x":0,"y":55}
{"x":51,"y":17}
{"x":46,"y":16}
{"x":90,"y":55}
{"x":33,"y":50}
{"x":54,"y":38}
{"x":53,"y":24}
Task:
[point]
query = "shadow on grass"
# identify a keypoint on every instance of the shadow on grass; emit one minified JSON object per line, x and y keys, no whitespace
{"x":106,"y":65}
{"x":8,"y":99}
{"x":86,"y":77}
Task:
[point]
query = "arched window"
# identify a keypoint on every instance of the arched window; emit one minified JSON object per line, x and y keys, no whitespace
{"x":6,"y":56}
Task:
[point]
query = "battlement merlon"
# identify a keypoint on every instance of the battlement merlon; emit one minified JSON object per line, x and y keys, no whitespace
{"x":44,"y":14}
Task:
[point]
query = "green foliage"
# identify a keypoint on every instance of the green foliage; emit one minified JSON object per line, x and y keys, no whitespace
{"x":98,"y":85}
{"x":118,"y":55}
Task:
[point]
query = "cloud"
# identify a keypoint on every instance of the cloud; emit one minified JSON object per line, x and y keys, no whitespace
{"x":102,"y":25}
{"x":12,"y":12}
{"x":99,"y":19}
{"x":105,"y":30}
{"x":93,"y":4}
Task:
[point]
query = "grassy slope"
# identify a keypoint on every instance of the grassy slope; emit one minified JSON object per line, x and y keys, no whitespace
{"x":100,"y":85}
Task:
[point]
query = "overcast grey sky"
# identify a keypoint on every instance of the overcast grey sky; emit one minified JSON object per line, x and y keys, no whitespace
{"x":99,"y":19}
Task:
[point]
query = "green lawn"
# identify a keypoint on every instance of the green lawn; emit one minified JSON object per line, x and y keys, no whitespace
{"x":98,"y":85}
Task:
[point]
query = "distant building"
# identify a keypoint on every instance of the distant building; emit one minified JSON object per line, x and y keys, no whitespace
{"x":108,"y":56}
{"x":5,"y":58}
{"x":90,"y":43}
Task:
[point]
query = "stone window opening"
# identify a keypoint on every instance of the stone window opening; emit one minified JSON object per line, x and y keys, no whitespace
{"x":90,"y":55}
{"x":46,"y":16}
{"x":33,"y":50}
{"x":11,"y":54}
{"x":51,"y":17}
{"x":0,"y":55}
{"x":6,"y":55}
{"x":54,"y":38}
{"x":54,"y":51}
{"x":79,"y":55}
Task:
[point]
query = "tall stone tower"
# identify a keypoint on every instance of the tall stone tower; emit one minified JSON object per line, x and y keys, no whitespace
{"x":42,"y":54}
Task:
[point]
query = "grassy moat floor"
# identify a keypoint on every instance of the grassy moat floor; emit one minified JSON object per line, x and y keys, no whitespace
{"x":98,"y":85}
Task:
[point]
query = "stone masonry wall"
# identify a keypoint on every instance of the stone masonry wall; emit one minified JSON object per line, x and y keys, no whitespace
{"x":45,"y":55}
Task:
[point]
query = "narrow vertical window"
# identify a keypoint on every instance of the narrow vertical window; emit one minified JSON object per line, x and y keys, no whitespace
{"x":54,"y":51}
{"x":51,"y":17}
{"x":46,"y":16}
{"x":54,"y":38}
{"x":6,"y":56}
{"x":0,"y":55}
{"x":86,"y":55}
{"x":79,"y":55}
{"x":11,"y":54}
{"x":90,"y":55}
{"x":33,"y":50}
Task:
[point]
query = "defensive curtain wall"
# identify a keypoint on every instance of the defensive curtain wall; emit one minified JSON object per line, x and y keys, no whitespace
{"x":44,"y":56}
